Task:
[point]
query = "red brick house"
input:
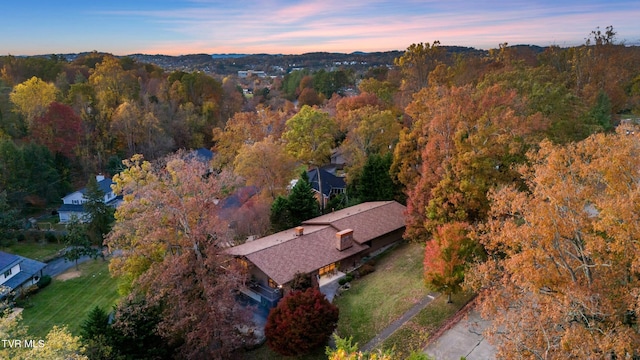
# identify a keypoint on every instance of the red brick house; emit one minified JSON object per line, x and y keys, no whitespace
{"x":324,"y":247}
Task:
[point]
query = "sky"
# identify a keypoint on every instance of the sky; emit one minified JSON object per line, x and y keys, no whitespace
{"x":179,"y":27}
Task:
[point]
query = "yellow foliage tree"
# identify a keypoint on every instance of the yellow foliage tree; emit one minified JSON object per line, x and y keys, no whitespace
{"x":266,"y":165}
{"x":32,"y":98}
{"x":562,"y":279}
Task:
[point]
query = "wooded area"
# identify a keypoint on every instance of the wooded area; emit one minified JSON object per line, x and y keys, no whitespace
{"x":522,"y":166}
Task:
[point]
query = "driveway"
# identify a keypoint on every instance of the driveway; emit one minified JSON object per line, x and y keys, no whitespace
{"x":463,"y":339}
{"x":59,"y":265}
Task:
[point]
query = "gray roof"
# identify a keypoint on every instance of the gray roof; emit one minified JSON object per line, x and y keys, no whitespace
{"x":7,"y":261}
{"x":104,"y":185}
{"x":329,"y":181}
{"x":28,"y":268}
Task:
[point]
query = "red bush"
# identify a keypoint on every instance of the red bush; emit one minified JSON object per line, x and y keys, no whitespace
{"x":302,"y":321}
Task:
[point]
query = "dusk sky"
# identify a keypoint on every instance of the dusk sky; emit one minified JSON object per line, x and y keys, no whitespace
{"x":176,"y":27}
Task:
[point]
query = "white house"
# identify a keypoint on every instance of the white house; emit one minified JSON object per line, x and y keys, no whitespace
{"x":72,"y":204}
{"x":17,"y":272}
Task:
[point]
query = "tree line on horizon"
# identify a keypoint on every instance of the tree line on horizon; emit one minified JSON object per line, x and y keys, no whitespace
{"x":515,"y":170}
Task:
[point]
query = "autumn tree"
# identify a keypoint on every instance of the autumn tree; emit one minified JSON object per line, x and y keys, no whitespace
{"x":113,"y":85}
{"x":309,"y":97}
{"x":447,"y":256}
{"x":345,"y":350}
{"x":266,"y":165}
{"x":417,"y":62}
{"x":59,"y":129}
{"x":561,"y":276}
{"x":59,"y":343}
{"x":246,"y":128}
{"x":309,"y":136}
{"x":32,"y":98}
{"x":302,"y":321}
{"x":374,"y":132}
{"x":463,"y":141}
{"x":138,"y":130}
{"x":168,"y":228}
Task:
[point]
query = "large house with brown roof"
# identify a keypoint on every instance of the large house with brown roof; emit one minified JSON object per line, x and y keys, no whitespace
{"x":324,"y":247}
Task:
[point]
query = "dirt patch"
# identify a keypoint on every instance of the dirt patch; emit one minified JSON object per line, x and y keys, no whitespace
{"x":68,"y":275}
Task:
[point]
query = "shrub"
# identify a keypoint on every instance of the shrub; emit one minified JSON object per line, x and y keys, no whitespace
{"x":365,"y":269}
{"x":302,"y":321}
{"x":342,"y":281}
{"x":33,"y":235}
{"x":50,"y":237}
{"x":44,"y":281}
{"x":301,"y":281}
{"x":349,"y":277}
{"x":21,"y":237}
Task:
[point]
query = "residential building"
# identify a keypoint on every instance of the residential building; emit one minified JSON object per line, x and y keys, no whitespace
{"x":73,"y":204}
{"x":325,"y":247}
{"x":325,"y":184}
{"x":18,"y":272}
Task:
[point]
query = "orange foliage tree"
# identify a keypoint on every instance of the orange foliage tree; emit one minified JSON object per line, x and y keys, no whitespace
{"x":170,"y":233}
{"x":562,"y":278}
{"x":463,"y":141}
{"x":447,"y":257}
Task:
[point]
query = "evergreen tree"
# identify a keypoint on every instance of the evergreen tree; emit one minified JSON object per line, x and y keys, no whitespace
{"x":96,"y":323}
{"x":9,"y":221}
{"x":375,"y":182}
{"x":280,"y":217}
{"x":299,"y":206}
{"x":100,"y":214}
{"x":601,"y":111}
{"x":302,"y":203}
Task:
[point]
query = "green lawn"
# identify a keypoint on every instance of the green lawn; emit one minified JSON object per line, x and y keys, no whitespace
{"x":41,"y":251}
{"x":376,"y":300}
{"x":415,"y":333}
{"x":68,"y":302}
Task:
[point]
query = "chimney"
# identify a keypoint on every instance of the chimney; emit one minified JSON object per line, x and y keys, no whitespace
{"x":99,"y":177}
{"x":299,"y":231}
{"x":344,"y":239}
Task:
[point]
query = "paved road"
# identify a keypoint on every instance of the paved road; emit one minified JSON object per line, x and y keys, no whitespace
{"x":463,"y":339}
{"x":60,"y":265}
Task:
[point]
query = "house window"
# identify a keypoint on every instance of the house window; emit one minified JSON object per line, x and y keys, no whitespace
{"x":74,"y":202}
{"x":331,"y":268}
{"x":7,"y":273}
{"x":272,"y":284}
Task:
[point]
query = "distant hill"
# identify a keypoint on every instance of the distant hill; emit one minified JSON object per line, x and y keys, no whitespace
{"x":279,"y":64}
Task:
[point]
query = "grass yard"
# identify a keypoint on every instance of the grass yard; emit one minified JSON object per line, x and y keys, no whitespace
{"x":376,"y":300}
{"x":415,"y":333}
{"x":69,"y":301}
{"x":41,"y":251}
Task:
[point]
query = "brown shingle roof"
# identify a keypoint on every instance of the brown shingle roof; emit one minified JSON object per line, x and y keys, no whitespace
{"x":283,"y":254}
{"x":305,"y":254}
{"x":368,"y":220}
